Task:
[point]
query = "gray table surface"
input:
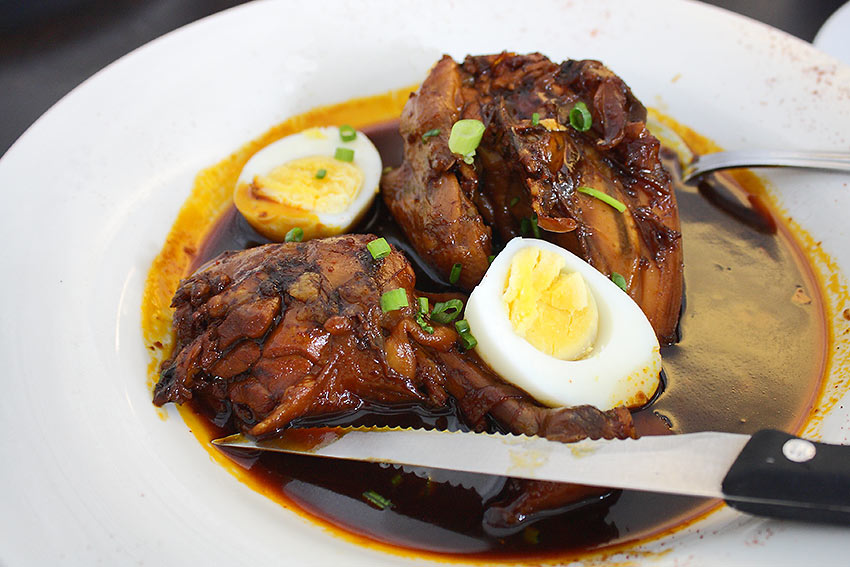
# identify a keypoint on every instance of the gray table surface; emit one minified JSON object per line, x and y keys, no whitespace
{"x":47,"y":47}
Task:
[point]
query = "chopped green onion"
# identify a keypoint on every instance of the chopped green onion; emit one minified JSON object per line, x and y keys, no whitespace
{"x":396,"y":480}
{"x":379,"y":248}
{"x":468,"y":341}
{"x":580,"y":117}
{"x":347,"y":133}
{"x":513,"y":202}
{"x":535,"y":119}
{"x":535,"y":230}
{"x":447,"y":311}
{"x":420,"y":315}
{"x":321,"y":173}
{"x":531,"y":535}
{"x":465,"y":137}
{"x":344,"y":154}
{"x":619,"y":280}
{"x":393,"y":299}
{"x":525,"y":226}
{"x":603,"y":197}
{"x":420,"y":320}
{"x":294,"y":235}
{"x":466,"y":337}
{"x":387,"y":169}
{"x":430,"y":134}
{"x":377,"y":500}
{"x":454,"y":276}
{"x":490,"y":258}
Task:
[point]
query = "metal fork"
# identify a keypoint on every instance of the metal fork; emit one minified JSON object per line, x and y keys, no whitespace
{"x":706,"y":163}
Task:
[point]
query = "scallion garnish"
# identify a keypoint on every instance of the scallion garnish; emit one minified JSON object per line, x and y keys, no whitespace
{"x":396,"y":480}
{"x":420,"y":315}
{"x":513,"y":202}
{"x":387,"y":169}
{"x":490,"y":258}
{"x":321,"y":173}
{"x":525,"y":226}
{"x":531,"y":535}
{"x":605,"y":198}
{"x":454,"y":276}
{"x":294,"y":235}
{"x":467,"y":340}
{"x":347,"y":133}
{"x":535,"y":230}
{"x":393,"y":299}
{"x":619,"y":280}
{"x":420,"y":320}
{"x":344,"y":154}
{"x":377,"y":500}
{"x":379,"y":248}
{"x":465,"y":137}
{"x":446,"y":311}
{"x":580,"y":117}
{"x":535,"y":119}
{"x":430,"y":134}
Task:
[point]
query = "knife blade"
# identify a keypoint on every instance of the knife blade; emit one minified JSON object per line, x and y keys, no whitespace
{"x":770,"y":473}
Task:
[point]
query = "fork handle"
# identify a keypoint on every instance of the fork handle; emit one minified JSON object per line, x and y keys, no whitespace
{"x":836,"y":161}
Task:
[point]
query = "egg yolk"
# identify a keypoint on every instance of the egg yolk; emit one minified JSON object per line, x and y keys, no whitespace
{"x":552,"y":309}
{"x":300,"y":185}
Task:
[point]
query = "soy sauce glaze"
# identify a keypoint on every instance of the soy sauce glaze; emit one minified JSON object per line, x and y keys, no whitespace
{"x":749,"y":358}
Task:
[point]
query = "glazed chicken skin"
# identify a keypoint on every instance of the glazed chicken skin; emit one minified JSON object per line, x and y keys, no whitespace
{"x":295,"y":330}
{"x":280,"y":332}
{"x":527,"y":174}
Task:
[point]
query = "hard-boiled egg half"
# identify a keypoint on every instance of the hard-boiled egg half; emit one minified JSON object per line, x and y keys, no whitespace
{"x":548,"y":322}
{"x":321,"y":180}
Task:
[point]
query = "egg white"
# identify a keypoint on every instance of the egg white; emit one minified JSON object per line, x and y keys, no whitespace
{"x":623,"y":367}
{"x":319,"y":142}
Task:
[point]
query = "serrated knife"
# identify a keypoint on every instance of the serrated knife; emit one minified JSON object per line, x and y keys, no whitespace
{"x":770,"y":473}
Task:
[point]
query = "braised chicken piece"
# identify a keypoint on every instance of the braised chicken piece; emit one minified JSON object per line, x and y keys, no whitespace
{"x":296,"y":330}
{"x":528,"y":171}
{"x":284,"y":331}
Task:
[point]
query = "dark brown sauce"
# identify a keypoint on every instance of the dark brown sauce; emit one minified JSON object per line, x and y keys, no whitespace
{"x":748,"y":358}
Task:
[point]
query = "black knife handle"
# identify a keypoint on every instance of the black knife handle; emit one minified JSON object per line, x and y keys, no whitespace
{"x":783,"y":476}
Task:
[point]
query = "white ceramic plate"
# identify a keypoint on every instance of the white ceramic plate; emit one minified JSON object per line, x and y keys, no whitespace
{"x":89,"y":471}
{"x":834,"y":35}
